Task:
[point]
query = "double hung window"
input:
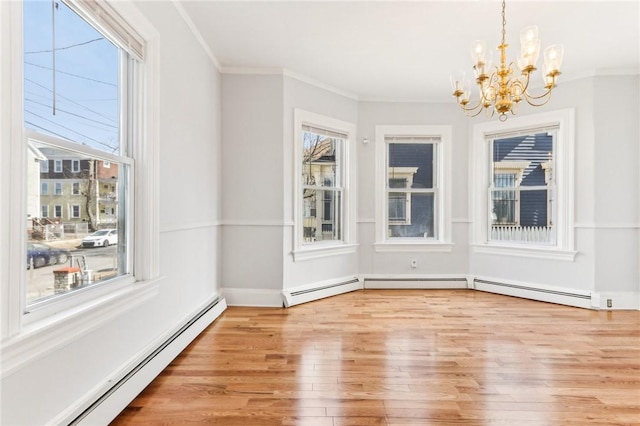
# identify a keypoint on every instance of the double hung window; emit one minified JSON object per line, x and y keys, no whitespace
{"x":322,"y":184}
{"x":522,"y":186}
{"x":412,"y":187}
{"x":325,"y":203}
{"x":413,"y":207}
{"x":78,"y":115}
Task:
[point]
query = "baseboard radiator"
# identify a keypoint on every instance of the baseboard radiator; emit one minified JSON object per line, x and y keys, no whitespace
{"x":307,"y":294}
{"x":416,"y":283}
{"x":559,"y":296}
{"x":108,"y":405}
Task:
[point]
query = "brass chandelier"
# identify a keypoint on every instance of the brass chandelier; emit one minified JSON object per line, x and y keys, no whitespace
{"x":500,"y":90}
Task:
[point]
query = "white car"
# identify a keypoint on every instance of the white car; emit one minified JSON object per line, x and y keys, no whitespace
{"x":101,"y":238}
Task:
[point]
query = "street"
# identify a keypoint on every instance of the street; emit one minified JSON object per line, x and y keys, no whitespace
{"x":101,"y":261}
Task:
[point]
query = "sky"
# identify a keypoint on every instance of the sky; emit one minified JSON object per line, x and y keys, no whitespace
{"x":86,"y":77}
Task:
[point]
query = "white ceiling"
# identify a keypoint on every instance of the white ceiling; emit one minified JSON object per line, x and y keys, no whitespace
{"x":396,"y":50}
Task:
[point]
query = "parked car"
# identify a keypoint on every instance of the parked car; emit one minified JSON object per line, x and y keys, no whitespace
{"x":40,"y":255}
{"x":101,"y":238}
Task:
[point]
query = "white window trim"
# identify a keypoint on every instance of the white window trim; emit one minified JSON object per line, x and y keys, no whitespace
{"x":57,"y":169}
{"x":44,"y":166}
{"x":45,"y":186}
{"x":44,"y":210}
{"x":347,"y":245}
{"x":75,"y":166}
{"x":564,"y":160}
{"x":56,"y":186}
{"x":28,"y":336}
{"x":443,"y":242}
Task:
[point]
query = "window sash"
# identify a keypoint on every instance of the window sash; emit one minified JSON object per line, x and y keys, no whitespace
{"x":408,"y":190}
{"x":504,"y":224}
{"x":106,"y":20}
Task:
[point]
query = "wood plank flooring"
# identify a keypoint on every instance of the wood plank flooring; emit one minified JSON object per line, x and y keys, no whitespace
{"x":404,"y":357}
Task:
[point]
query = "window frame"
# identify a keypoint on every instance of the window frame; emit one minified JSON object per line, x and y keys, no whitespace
{"x":564,"y":121}
{"x":441,"y":136}
{"x":305,"y":251}
{"x":72,"y":213}
{"x":58,"y":166}
{"x":26,"y":335}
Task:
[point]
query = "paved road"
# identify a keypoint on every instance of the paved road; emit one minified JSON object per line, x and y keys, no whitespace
{"x":99,"y":260}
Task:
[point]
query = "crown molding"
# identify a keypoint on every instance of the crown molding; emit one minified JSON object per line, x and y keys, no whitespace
{"x":194,"y":30}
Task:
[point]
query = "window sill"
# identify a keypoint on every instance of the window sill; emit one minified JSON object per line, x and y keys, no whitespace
{"x":47,"y":334}
{"x":548,"y":253}
{"x":316,"y":252}
{"x":413,"y":246}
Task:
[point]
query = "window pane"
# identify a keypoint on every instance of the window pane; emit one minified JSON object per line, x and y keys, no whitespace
{"x":504,"y":207}
{"x":71,"y":89}
{"x":398,"y":207}
{"x":320,"y":162}
{"x":62,"y":253}
{"x":525,"y":165}
{"x":322,"y":210}
{"x":419,"y":216}
{"x":411,"y":162}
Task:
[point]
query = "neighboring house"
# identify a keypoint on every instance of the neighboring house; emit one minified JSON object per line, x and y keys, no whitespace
{"x":34,"y":158}
{"x":410,"y":166}
{"x":75,"y":190}
{"x":319,"y":170}
{"x":522,"y":169}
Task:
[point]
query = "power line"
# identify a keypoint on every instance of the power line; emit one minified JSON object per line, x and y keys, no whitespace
{"x":72,"y":101}
{"x":65,"y":47}
{"x":113,"y":149}
{"x":71,"y":113}
{"x":46,"y":130}
{"x":72,"y":75}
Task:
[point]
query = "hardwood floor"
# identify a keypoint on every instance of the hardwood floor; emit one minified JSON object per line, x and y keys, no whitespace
{"x":404,"y":357}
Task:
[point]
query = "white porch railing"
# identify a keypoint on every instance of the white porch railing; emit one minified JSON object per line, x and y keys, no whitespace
{"x":524,"y":234}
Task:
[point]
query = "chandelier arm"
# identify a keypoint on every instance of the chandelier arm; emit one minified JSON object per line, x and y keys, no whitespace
{"x":471,"y":111}
{"x":528,"y":95}
{"x":548,"y":95}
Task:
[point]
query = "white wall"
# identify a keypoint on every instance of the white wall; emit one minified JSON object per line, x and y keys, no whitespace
{"x":51,"y":385}
{"x":372,"y":114}
{"x":301,"y":95}
{"x":252,"y":179}
{"x":616,"y":193}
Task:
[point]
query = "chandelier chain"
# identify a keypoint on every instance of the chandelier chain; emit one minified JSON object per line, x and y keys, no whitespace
{"x":504,"y":22}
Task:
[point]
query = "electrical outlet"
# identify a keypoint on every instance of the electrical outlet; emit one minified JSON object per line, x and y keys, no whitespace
{"x":414,"y":263}
{"x":609,"y":303}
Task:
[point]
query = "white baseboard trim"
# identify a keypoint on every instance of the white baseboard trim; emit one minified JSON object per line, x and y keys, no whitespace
{"x":310,"y":292}
{"x":560,"y":295}
{"x":108,"y":399}
{"x":415,"y":282}
{"x":257,"y":297}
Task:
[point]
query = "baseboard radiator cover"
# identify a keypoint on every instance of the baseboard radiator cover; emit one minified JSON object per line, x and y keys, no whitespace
{"x":108,"y":405}
{"x":433,"y":283}
{"x":566,"y":297}
{"x":308,"y":293}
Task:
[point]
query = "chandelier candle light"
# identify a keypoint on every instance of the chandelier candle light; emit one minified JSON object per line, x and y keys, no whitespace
{"x":500,"y":91}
